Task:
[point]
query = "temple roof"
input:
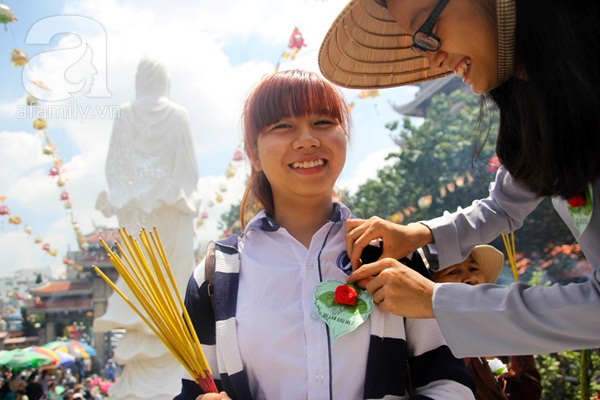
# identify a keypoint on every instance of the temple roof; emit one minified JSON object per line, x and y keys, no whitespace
{"x":60,"y":304}
{"x":418,"y":107}
{"x":67,"y":288}
{"x":109,"y":235}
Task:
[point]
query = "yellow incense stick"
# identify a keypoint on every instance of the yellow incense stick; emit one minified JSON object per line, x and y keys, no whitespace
{"x":154,"y":315}
{"x":147,"y":273}
{"x":509,"y":244}
{"x":156,"y":331}
{"x":174,"y":313}
{"x":155,"y":295}
{"x":194,"y":337}
{"x":163,"y":323}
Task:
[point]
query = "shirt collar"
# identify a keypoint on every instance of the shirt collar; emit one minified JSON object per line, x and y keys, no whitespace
{"x":265,"y":223}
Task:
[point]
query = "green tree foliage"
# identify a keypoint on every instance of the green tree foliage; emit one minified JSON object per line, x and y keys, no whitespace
{"x":567,"y":374}
{"x":446,"y":146}
{"x":432,"y":156}
{"x":230,"y":220}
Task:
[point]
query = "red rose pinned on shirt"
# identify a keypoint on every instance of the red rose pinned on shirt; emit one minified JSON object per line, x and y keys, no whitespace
{"x":577,"y":201}
{"x":346,"y":294}
{"x":343,"y":306}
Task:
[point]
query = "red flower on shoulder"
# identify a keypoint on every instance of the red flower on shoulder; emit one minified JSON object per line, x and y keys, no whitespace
{"x":577,"y":200}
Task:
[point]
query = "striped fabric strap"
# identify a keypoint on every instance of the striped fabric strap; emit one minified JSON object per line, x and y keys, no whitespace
{"x":506,"y":19}
{"x":227,"y":262}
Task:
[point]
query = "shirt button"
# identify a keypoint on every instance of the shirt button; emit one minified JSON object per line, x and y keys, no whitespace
{"x":314,"y":316}
{"x":310,"y":265}
{"x":319,"y":379}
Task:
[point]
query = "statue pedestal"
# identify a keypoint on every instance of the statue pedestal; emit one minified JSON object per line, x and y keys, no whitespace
{"x":154,"y":374}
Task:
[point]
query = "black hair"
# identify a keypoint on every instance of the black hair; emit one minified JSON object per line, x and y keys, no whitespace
{"x":5,"y":388}
{"x":550,"y":119}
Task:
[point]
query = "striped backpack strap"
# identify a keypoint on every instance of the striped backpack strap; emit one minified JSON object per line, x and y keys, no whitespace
{"x":210,"y":262}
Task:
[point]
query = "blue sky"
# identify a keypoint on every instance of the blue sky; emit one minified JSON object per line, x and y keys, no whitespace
{"x":215,"y":52}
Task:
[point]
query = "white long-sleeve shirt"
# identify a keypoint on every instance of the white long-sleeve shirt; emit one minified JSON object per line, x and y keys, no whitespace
{"x":518,"y":319}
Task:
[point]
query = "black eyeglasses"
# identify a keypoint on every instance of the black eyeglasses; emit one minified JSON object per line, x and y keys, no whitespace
{"x":424,"y":39}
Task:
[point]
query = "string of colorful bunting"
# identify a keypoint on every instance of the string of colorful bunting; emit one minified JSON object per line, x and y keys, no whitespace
{"x":235,"y":162}
{"x":295,"y":44}
{"x":424,"y":202}
{"x":57,"y":172}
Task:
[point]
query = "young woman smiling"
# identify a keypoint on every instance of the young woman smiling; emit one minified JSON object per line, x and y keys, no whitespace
{"x":285,"y":323}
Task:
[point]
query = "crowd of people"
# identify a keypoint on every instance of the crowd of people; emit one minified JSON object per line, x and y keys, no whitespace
{"x":51,"y":384}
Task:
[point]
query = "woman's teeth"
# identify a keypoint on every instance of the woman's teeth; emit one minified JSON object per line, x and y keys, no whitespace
{"x":462,"y":68}
{"x":308,"y":164}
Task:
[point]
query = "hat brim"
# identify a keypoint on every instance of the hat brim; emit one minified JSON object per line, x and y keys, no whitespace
{"x":366,"y":48}
{"x":490,"y":261}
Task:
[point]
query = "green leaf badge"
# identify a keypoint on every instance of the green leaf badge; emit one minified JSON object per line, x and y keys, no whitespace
{"x":342,"y":306}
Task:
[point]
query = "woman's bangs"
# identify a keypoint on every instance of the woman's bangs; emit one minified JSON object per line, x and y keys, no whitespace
{"x":295,"y":97}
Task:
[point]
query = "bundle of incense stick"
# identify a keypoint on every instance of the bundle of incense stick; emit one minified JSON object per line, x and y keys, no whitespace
{"x":511,"y":250}
{"x":154,"y":286}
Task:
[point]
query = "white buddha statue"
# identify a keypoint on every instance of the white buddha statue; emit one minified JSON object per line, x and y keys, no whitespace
{"x":152,"y":174}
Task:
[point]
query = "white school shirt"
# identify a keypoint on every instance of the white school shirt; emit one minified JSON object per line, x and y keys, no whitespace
{"x":279,"y":332}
